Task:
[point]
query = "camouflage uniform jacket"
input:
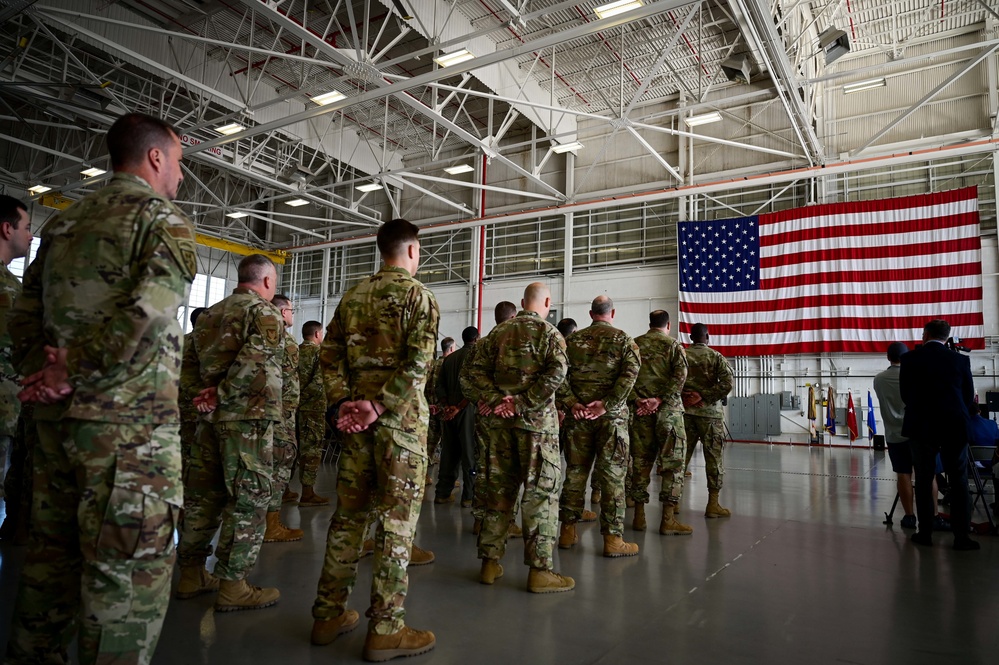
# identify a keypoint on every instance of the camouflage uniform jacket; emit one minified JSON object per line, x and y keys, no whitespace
{"x":430,"y":391}
{"x":312,"y":397}
{"x":240,"y":347}
{"x":379,"y":346}
{"x":523,"y":357}
{"x":290,"y":389}
{"x":9,"y":405}
{"x":710,"y":375}
{"x":663,"y":371}
{"x":190,"y":380}
{"x":603,"y":365}
{"x":110,"y":274}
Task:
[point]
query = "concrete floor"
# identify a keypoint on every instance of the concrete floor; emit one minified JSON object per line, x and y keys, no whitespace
{"x":804,"y":572}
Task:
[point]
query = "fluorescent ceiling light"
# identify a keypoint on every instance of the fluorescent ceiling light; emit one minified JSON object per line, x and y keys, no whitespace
{"x":703,"y":119}
{"x":294,"y":203}
{"x":460,"y":168}
{"x":370,"y":187}
{"x":328,"y":97}
{"x":231,"y":128}
{"x":93,"y":172}
{"x":863,"y":85}
{"x":615,"y":8}
{"x":237,"y":215}
{"x":567,"y":147}
{"x":39,"y":189}
{"x":453,"y":58}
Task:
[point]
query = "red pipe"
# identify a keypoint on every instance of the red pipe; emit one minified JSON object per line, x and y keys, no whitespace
{"x":482,"y":245}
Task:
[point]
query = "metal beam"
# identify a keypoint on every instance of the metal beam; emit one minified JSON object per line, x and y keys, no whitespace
{"x":655,"y":153}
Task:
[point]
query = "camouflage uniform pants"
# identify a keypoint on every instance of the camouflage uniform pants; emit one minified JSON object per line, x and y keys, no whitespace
{"x":658,"y":437}
{"x":227,"y":483}
{"x":188,"y":435}
{"x":601,"y":445}
{"x":311,"y":433}
{"x":711,"y":433}
{"x":434,"y":435}
{"x":377,"y":478}
{"x":514,"y":457}
{"x":285,"y":454}
{"x":101,"y":553}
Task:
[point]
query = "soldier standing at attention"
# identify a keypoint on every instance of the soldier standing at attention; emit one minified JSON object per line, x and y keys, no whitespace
{"x":603,"y":366}
{"x":375,"y":358}
{"x":311,"y":413}
{"x":657,"y":430}
{"x":240,"y":348}
{"x":516,"y":371}
{"x":190,"y":386}
{"x":709,"y":379}
{"x":95,"y":333}
{"x":285,"y":444}
{"x":435,"y":432}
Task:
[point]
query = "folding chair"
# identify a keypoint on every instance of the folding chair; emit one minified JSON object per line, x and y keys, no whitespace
{"x":981,"y":472}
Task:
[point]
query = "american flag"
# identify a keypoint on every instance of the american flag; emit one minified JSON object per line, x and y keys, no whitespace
{"x":844,"y":277}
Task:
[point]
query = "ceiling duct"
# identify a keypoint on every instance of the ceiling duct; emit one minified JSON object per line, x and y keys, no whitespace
{"x":834,"y":43}
{"x":737,"y":69}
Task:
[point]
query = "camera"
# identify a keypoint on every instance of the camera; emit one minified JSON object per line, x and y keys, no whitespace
{"x":954,"y":344}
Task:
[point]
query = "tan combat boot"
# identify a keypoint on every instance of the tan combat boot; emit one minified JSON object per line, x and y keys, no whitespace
{"x":324,"y":631}
{"x":514,"y":531}
{"x":420,"y":557}
{"x":614,"y":546}
{"x":629,"y":502}
{"x":567,"y":536}
{"x":368,"y":548}
{"x":194,"y":581}
{"x":476,"y":526}
{"x":714,"y":509}
{"x":548,"y":581}
{"x":289,"y":496}
{"x":595,"y":497}
{"x":406,"y":642}
{"x":670,"y":526}
{"x":491,"y":571}
{"x":588,"y":516}
{"x":310,"y":498}
{"x":240,"y":595}
{"x":279,"y":533}
{"x":639,"y":524}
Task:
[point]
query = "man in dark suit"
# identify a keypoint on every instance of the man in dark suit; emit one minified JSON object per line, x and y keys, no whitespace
{"x":458,"y":443}
{"x":938,"y":393}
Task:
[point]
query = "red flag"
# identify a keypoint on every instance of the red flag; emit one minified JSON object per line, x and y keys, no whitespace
{"x":851,"y":419}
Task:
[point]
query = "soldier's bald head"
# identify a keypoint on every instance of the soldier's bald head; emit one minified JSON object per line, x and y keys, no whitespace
{"x":538,"y":298}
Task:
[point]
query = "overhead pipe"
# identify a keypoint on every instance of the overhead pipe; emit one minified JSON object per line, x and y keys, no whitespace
{"x":482,"y":245}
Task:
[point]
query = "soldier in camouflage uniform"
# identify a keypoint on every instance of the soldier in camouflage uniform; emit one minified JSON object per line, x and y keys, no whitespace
{"x":436,"y":429}
{"x":375,"y":357}
{"x":95,"y":333}
{"x":709,"y":379}
{"x":240,"y":347}
{"x":657,"y":423}
{"x":15,"y":241}
{"x":603,"y":366}
{"x":190,"y":386}
{"x":516,"y":371}
{"x":285,"y":443}
{"x":311,"y":413}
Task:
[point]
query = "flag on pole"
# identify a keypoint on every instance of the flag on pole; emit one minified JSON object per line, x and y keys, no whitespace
{"x":831,"y":412}
{"x":843,"y":277}
{"x":872,"y":426}
{"x":813,"y":434}
{"x":851,"y":418}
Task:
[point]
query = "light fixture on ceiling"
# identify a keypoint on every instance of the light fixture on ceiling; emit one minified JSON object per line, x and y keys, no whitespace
{"x":39,"y":189}
{"x":703,"y":119}
{"x":231,"y":128}
{"x":453,"y":58}
{"x":460,"y":168}
{"x":615,"y":8}
{"x":370,"y":187}
{"x":737,"y":69}
{"x":93,"y":172}
{"x":566,"y":147}
{"x":834,"y":43}
{"x":237,"y":215}
{"x":863,"y":85}
{"x":294,"y":203}
{"x":328,"y":97}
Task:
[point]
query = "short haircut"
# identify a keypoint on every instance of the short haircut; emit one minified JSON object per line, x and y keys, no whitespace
{"x":505,"y":310}
{"x":8,"y":210}
{"x":658,"y":318}
{"x":536,"y":292}
{"x":698,"y":332}
{"x":602,"y":305}
{"x":280,"y":300}
{"x":980,"y":409}
{"x":254,"y":268}
{"x":196,"y":313}
{"x":937,"y":329}
{"x":394,"y":235}
{"x":310,"y":328}
{"x":896,"y":350}
{"x":133,"y":135}
{"x":567,"y":326}
{"x":447,"y":344}
{"x":469,"y":335}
